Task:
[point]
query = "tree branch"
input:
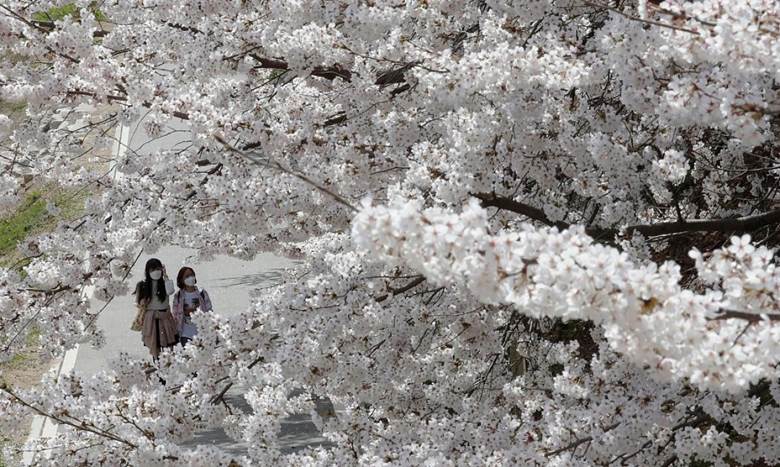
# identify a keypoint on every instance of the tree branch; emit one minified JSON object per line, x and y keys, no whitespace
{"x":751,"y":317}
{"x":736,"y":224}
{"x":419,"y":280}
{"x":110,"y":97}
{"x":276,"y":165}
{"x":83,"y":426}
{"x":641,"y":20}
{"x":220,"y":397}
{"x":501,"y":202}
{"x":577,"y":442}
{"x":331,"y":72}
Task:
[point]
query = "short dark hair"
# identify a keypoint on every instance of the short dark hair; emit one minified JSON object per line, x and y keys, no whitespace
{"x":180,"y":276}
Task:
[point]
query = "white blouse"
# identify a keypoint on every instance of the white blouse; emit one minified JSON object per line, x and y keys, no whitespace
{"x":155,"y":303}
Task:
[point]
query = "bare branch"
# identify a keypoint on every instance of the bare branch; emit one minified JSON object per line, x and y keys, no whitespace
{"x":419,"y":280}
{"x":331,"y":72}
{"x":641,"y":20}
{"x":501,"y":202}
{"x":277,"y":166}
{"x":82,"y":426}
{"x":743,"y":315}
{"x":736,"y":225}
{"x":574,"y":444}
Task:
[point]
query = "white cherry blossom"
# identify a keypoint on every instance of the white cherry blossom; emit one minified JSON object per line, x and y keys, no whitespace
{"x":529,"y":232}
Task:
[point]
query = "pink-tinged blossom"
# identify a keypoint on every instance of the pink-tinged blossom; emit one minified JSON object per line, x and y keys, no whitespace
{"x":470,"y":188}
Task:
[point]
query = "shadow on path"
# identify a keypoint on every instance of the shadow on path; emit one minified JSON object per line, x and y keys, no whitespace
{"x":297,"y":431}
{"x":269,"y":278}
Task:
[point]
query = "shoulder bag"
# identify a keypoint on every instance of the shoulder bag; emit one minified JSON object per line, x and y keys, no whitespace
{"x":138,"y":322}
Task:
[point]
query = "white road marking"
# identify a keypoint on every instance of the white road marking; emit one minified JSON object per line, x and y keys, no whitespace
{"x":121,"y":140}
{"x":43,"y":427}
{"x":35,"y":432}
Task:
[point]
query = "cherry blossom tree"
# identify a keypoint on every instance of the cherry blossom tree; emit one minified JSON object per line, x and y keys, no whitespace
{"x":531,"y":232}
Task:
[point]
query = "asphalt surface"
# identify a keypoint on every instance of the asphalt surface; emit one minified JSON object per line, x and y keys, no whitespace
{"x":229,"y":282}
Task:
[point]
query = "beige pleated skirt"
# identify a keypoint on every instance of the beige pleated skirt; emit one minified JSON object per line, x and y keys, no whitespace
{"x":160,"y":331}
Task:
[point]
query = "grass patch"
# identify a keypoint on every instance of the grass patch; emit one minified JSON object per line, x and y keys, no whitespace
{"x":33,"y":336}
{"x":69,"y":9}
{"x":12,"y":108}
{"x":18,"y":361}
{"x":30,"y":215}
{"x":56,"y":13}
{"x":26,"y":357}
{"x":33,"y":218}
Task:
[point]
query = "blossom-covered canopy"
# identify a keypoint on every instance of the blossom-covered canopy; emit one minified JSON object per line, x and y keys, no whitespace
{"x":531,"y":232}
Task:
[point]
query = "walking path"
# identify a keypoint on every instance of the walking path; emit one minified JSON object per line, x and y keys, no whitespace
{"x":229,"y":282}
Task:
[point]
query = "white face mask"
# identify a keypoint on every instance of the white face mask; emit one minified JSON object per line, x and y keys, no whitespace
{"x":189,"y":281}
{"x":156,"y":274}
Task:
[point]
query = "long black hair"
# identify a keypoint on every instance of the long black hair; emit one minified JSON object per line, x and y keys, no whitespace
{"x":143,"y":290}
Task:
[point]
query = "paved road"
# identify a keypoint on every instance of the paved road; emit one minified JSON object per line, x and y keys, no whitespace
{"x":229,"y":282}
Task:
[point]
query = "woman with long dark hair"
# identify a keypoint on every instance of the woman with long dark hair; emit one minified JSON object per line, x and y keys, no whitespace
{"x":159,"y":328}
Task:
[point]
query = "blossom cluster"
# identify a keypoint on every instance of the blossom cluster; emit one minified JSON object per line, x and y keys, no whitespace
{"x":567,"y":257}
{"x":646,"y":314}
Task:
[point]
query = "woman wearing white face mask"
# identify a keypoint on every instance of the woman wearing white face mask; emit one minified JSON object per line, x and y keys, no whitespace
{"x":186,"y":300}
{"x":159,"y":328}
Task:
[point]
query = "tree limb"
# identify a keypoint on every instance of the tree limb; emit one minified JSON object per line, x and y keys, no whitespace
{"x":276,"y":165}
{"x":751,"y":317}
{"x":502,"y":202}
{"x":331,"y":72}
{"x":577,"y":442}
{"x":83,"y":426}
{"x":414,"y":283}
{"x":736,"y":224}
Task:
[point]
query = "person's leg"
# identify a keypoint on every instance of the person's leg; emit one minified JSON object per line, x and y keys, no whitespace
{"x":156,"y":343}
{"x":157,"y":333}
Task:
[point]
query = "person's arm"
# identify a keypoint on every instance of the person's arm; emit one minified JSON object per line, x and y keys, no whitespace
{"x":169,"y":287}
{"x":177,"y":310}
{"x":138,"y":293}
{"x":168,"y":283}
{"x":206,"y":301}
